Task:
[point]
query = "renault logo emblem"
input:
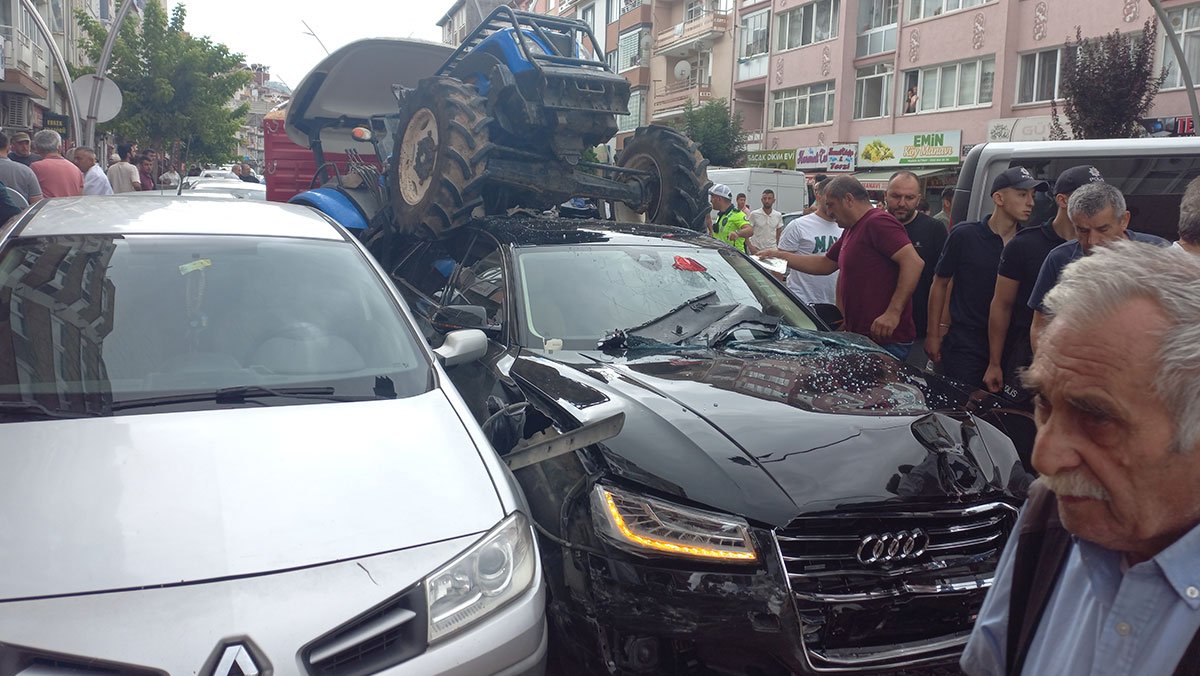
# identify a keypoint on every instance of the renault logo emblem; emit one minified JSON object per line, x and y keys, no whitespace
{"x":887,"y":547}
{"x":236,"y":656}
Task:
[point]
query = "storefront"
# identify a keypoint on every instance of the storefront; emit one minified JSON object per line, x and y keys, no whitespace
{"x":933,"y":157}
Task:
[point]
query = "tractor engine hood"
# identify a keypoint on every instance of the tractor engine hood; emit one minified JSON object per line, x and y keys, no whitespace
{"x":353,"y":84}
{"x":771,"y":439}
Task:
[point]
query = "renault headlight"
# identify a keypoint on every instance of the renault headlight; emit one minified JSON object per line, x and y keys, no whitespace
{"x":493,"y":572}
{"x":644,"y":525}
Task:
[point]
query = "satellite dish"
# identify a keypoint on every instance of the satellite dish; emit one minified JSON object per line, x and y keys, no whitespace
{"x":647,"y":41}
{"x":109,"y":94}
{"x":683,"y":70}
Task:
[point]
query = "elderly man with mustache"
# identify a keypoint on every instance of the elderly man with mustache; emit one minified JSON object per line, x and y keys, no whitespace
{"x":1102,"y":572}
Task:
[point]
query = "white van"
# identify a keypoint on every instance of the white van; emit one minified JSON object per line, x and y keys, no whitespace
{"x":791,"y":188}
{"x":1151,"y":172}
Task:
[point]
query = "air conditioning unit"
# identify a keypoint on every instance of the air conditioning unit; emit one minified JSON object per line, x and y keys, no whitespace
{"x":16,"y":111}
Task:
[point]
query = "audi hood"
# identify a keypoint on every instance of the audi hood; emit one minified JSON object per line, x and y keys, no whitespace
{"x":771,"y":430}
{"x":133,"y":501}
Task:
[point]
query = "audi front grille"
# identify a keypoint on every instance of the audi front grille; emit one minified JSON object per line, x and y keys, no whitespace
{"x":877,"y":588}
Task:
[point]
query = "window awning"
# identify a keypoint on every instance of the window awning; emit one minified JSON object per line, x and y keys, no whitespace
{"x":878,"y":179}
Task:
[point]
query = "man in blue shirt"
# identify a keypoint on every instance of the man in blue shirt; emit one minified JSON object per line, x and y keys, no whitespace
{"x":1100,"y":576}
{"x":1098,"y":212}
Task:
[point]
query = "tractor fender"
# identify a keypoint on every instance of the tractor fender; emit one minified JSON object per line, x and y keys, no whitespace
{"x":334,"y":205}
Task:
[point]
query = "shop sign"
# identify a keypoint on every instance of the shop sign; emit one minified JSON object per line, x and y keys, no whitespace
{"x":772,"y":159}
{"x":899,"y":150}
{"x":1024,"y":128}
{"x":58,"y":123}
{"x":842,"y":156}
{"x":812,"y":157}
{"x":1169,"y":126}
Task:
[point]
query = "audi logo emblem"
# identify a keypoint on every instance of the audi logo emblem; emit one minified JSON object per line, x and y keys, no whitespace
{"x":886,"y":547}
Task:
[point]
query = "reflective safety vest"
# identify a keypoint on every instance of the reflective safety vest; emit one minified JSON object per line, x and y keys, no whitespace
{"x":731,"y":220}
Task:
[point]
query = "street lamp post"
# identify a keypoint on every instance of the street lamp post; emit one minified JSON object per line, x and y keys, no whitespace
{"x":101,"y":67}
{"x":1184,"y":71}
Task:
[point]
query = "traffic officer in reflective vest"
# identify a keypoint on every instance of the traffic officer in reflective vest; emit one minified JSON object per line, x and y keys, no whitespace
{"x":731,"y":225}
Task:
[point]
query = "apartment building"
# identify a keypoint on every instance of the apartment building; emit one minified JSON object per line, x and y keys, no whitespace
{"x":464,"y":15}
{"x":261,"y":95}
{"x":869,"y":85}
{"x":33,"y":92}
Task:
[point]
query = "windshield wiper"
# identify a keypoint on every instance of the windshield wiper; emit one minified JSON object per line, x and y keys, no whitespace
{"x":768,"y":324}
{"x":619,"y":337}
{"x":32,"y":410}
{"x":239,"y":395}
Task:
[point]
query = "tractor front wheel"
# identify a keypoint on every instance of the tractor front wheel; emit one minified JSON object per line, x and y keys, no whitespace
{"x":438,"y":158}
{"x":678,"y":181}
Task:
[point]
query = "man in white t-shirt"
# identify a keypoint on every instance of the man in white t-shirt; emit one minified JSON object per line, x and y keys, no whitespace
{"x":814,"y":233}
{"x":767,"y":222}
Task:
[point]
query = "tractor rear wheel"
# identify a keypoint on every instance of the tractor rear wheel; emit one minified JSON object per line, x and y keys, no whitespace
{"x":679,"y":175}
{"x":438,"y":158}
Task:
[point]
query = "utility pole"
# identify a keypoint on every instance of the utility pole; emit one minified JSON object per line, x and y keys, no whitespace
{"x":98,"y":76}
{"x":1180,"y":58}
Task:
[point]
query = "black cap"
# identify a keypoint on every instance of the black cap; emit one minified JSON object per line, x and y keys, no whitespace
{"x":1076,"y":177}
{"x":1019,"y":178}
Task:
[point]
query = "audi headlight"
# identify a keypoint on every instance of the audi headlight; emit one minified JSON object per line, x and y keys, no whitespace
{"x":642,"y":524}
{"x":496,"y":570}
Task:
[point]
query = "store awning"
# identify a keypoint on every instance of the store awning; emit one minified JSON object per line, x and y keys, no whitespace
{"x":878,"y":179}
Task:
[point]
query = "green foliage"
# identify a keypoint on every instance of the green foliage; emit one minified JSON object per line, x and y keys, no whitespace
{"x":719,"y":134}
{"x":175,"y":87}
{"x":1110,"y":86}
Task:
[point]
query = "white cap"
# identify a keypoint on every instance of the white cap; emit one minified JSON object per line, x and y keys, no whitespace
{"x":721,"y":190}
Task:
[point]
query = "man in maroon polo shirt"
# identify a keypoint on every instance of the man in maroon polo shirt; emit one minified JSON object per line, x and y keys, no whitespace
{"x":879,"y":267}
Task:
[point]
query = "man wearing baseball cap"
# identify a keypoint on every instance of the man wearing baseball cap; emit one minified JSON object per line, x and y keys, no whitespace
{"x":1098,"y":212}
{"x":731,"y":225}
{"x":20,"y":152}
{"x":970,"y":258}
{"x":1009,"y":318}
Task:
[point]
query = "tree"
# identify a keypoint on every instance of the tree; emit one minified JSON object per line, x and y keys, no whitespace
{"x":719,"y":134}
{"x":1109,"y":85}
{"x":175,"y":87}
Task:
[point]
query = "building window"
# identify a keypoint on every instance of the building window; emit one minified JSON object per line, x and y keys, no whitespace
{"x":693,"y":10}
{"x":923,"y":9}
{"x":629,"y":50}
{"x":1039,"y":75}
{"x":628,"y":5}
{"x":550,"y":5}
{"x":872,"y":91}
{"x":877,"y":26}
{"x":755,"y":34}
{"x":637,"y":113}
{"x":611,"y":59}
{"x":954,"y":85}
{"x":807,"y":104}
{"x":807,"y":24}
{"x":1186,"y":22}
{"x":588,"y":15}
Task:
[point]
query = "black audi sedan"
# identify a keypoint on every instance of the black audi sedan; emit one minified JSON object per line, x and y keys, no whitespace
{"x":779,"y":498}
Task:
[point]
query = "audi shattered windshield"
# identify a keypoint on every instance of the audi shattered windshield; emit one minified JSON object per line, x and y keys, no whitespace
{"x":583,"y":295}
{"x":97,"y":325}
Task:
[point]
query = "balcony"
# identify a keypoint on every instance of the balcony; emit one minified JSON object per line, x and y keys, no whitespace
{"x":690,"y":35}
{"x":673,"y":97}
{"x":752,"y":67}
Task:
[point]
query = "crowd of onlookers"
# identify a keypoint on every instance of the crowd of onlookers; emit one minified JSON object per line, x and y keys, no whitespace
{"x":34,"y":168}
{"x":967,"y":300}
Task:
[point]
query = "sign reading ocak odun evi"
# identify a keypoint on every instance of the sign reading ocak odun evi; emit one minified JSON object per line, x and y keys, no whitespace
{"x":901,"y":150}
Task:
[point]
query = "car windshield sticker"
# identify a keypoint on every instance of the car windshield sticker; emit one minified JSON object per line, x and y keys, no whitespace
{"x":194,"y":266}
{"x":688,"y":264}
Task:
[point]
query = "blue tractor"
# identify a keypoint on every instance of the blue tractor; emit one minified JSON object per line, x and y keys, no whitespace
{"x":504,"y":122}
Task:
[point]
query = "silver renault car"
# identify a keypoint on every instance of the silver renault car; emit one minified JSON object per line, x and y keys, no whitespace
{"x":225,"y":451}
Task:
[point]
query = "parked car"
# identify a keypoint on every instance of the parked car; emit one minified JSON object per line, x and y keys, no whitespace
{"x":1151,"y":172}
{"x":201,"y":472}
{"x":780,"y":499}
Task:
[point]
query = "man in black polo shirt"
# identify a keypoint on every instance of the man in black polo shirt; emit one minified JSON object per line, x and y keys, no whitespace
{"x":970,"y":259}
{"x":1010,"y":317}
{"x":927,"y":237}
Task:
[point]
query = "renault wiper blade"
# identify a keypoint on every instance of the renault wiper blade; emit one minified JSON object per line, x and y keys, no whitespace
{"x":32,"y":410}
{"x":238,"y":395}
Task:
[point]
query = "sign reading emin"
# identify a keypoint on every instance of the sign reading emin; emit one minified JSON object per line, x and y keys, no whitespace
{"x":897,"y":150}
